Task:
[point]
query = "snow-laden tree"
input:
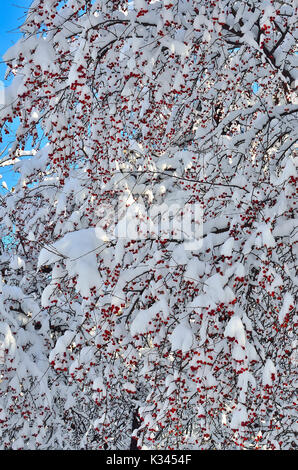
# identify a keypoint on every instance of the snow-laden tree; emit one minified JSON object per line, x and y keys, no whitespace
{"x":118,"y":331}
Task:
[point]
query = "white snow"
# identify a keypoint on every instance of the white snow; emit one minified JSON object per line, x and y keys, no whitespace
{"x":287,"y":301}
{"x":235,"y":329}
{"x":226,"y":249}
{"x":181,"y":337}
{"x":78,"y":250}
{"x":268,"y":372}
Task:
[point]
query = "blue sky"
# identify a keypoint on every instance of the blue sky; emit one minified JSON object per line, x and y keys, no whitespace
{"x":12,"y":12}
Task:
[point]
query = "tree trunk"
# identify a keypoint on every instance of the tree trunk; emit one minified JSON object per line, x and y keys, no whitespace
{"x":135,"y":425}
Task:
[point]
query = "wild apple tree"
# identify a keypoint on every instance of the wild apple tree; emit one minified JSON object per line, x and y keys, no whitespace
{"x":116,"y":331}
